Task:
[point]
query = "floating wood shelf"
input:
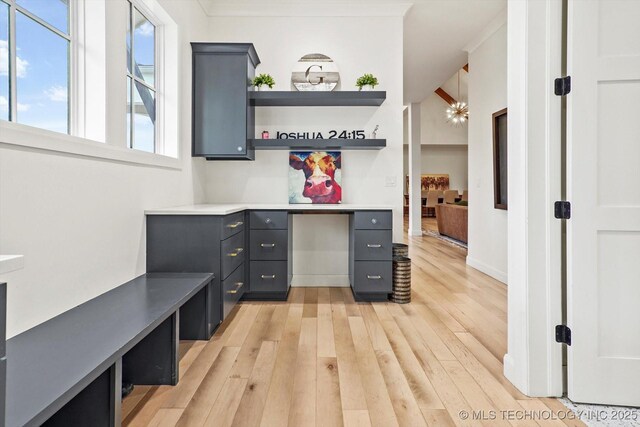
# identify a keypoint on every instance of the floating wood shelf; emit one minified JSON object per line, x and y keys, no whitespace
{"x":317,"y":99}
{"x":318,"y":144}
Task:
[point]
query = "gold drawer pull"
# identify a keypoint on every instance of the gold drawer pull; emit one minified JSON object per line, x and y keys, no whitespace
{"x":237,"y":224}
{"x":267,"y":245}
{"x":273,"y":276}
{"x":374,"y":277}
{"x":373,"y":246}
{"x":238,"y":286}
{"x":236,"y":253}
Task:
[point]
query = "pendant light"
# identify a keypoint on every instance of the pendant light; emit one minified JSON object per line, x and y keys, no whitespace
{"x":458,"y":112}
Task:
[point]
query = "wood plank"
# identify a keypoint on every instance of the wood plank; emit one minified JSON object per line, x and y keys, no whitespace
{"x":351,"y":389}
{"x":350,"y":304}
{"x":404,"y":403}
{"x":329,"y":404}
{"x":378,"y":399}
{"x":326,"y":339}
{"x":249,"y":351}
{"x":420,"y":385}
{"x":303,"y":405}
{"x":224,"y":410}
{"x":472,"y":392}
{"x":310,"y":302}
{"x":166,"y":417}
{"x":356,"y":418}
{"x":276,"y":325}
{"x":278,"y":404}
{"x":377,"y":335}
{"x":445,"y":96}
{"x":198,"y":408}
{"x":254,"y":398}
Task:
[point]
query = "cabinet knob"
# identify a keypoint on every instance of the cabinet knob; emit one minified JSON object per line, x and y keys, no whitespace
{"x":239,"y":148}
{"x":374,"y":221}
{"x":268,"y":220}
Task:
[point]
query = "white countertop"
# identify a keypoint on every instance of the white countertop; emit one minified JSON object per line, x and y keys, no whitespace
{"x":225,"y":209}
{"x":11,"y":263}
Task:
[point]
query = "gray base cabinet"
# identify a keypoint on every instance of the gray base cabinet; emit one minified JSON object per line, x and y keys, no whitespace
{"x":370,"y":257}
{"x":202,"y":244}
{"x":270,"y":247}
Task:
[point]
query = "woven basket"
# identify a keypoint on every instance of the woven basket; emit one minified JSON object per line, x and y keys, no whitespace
{"x":400,"y":249}
{"x":401,"y":278}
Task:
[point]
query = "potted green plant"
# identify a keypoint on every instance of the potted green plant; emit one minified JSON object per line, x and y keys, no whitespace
{"x":367,"y":82}
{"x":262,"y":81}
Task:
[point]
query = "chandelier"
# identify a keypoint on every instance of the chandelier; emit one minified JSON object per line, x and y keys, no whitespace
{"x":458,"y":112}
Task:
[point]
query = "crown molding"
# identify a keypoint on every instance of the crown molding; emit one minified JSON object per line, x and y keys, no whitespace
{"x":496,"y":23}
{"x":274,"y":9}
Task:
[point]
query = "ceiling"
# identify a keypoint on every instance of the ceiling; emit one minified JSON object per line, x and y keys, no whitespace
{"x":435,"y":31}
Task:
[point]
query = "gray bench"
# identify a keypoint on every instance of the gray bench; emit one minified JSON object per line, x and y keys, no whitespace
{"x":69,"y":370}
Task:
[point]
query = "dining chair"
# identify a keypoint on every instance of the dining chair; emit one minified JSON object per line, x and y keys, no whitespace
{"x":465,"y":195}
{"x":432,"y":201}
{"x":450,"y":196}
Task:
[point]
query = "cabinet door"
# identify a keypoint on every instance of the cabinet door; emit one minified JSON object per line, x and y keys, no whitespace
{"x":220,"y":106}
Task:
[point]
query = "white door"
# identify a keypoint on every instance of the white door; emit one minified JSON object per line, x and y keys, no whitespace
{"x":603,"y":144}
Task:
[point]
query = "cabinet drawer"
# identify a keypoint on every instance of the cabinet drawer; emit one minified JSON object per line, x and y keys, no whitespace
{"x":372,"y":245}
{"x":372,"y":277}
{"x":232,"y":253}
{"x":268,"y":276}
{"x":373,"y":220}
{"x":233,"y":288}
{"x":269,"y":220}
{"x":268,"y":245}
{"x":232,"y":224}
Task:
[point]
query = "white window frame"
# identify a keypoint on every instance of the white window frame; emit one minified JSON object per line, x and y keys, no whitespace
{"x":90,"y":102}
{"x":158,"y":71}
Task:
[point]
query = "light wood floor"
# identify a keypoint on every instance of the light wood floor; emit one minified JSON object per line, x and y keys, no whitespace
{"x":320,"y":359}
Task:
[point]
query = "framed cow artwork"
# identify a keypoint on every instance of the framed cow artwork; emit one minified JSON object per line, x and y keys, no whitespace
{"x":315,"y":177}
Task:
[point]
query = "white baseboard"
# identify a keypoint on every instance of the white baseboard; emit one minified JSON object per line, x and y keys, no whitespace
{"x":320,"y":280}
{"x":487,"y":269}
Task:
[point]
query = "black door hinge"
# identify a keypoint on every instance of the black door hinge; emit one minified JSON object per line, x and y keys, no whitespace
{"x":562,"y":209}
{"x":562,"y":85}
{"x":563,"y":334}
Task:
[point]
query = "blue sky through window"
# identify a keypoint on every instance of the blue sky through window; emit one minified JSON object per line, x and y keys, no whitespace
{"x":4,"y":61}
{"x":43,"y":76}
{"x":42,"y":65}
{"x":54,"y":12}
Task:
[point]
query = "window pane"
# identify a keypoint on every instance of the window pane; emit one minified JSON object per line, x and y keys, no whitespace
{"x":54,"y":12}
{"x":144,"y":48}
{"x":144,"y":118}
{"x":4,"y":61}
{"x":43,"y":76}
{"x":129,"y":38}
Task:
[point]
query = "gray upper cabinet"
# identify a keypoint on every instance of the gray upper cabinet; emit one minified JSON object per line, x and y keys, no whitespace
{"x":223,"y":118}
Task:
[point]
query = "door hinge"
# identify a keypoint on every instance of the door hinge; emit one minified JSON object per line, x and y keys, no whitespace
{"x":562,"y":85}
{"x":563,"y":334}
{"x":562,"y":209}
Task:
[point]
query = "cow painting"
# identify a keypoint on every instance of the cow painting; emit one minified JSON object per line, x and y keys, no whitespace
{"x":314,"y":177}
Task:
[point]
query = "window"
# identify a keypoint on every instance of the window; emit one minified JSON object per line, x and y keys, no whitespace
{"x":35,"y":43}
{"x":141,"y":82}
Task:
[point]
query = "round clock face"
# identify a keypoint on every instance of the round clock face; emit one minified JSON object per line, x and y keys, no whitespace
{"x":315,"y":72}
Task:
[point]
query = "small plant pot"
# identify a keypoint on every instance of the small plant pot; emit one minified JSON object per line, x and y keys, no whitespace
{"x":263,"y":88}
{"x":366,"y":88}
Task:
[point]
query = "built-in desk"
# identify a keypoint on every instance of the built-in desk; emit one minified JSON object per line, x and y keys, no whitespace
{"x":250,"y":246}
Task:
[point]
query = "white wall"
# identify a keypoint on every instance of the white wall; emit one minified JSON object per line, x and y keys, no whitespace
{"x":79,"y":221}
{"x":450,"y":159}
{"x":357,"y":45}
{"x":487,"y":94}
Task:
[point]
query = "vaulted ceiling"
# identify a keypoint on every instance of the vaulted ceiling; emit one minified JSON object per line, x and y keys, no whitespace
{"x":435,"y":31}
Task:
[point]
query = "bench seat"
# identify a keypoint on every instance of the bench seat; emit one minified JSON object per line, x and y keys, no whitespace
{"x":50,"y":364}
